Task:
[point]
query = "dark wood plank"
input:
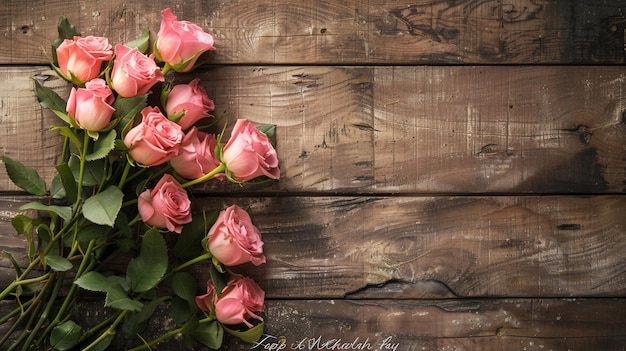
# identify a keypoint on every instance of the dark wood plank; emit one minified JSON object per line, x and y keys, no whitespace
{"x":433,"y":247}
{"x":468,"y":325}
{"x":521,"y":129}
{"x":430,"y":325}
{"x":346,"y":32}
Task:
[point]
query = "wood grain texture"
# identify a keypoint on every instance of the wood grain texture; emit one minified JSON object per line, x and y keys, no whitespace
{"x":346,"y":32}
{"x":453,"y":172}
{"x":24,"y":126}
{"x":381,"y":129}
{"x":449,"y":325}
{"x":432,"y":247}
{"x":430,"y":325}
{"x":440,"y":247}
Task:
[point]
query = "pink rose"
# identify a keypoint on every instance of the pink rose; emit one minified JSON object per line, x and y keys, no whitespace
{"x":133,"y":72}
{"x":239,"y":301}
{"x":234,"y":240}
{"x":80,"y":60}
{"x":155,"y":140}
{"x":207,"y":301}
{"x":90,"y":107}
{"x":190,"y":98}
{"x":167,"y":205}
{"x":196,"y":156}
{"x":249,"y":153}
{"x":180,"y":43}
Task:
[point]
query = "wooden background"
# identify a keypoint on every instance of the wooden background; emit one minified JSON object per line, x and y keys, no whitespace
{"x":454,"y":172}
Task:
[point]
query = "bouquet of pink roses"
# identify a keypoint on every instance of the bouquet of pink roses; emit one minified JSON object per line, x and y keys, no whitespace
{"x":134,"y":143}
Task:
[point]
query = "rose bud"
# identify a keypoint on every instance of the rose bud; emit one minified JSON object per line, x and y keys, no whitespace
{"x":238,"y":302}
{"x":133,"y":72}
{"x":196,"y":155}
{"x":180,"y":43}
{"x":191,"y":99}
{"x":234,"y":240}
{"x":249,"y":153}
{"x":207,"y":301}
{"x":155,"y":140}
{"x":166,"y":206}
{"x":90,"y":107}
{"x":80,"y":60}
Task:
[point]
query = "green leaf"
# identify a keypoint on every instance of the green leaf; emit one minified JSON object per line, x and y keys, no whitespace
{"x":56,"y":188}
{"x":189,"y":242}
{"x":251,"y":335}
{"x":66,"y":31}
{"x":58,"y":263}
{"x":102,"y":146}
{"x":118,"y":298}
{"x":24,"y":177}
{"x":65,"y":336}
{"x":49,"y":99}
{"x":149,"y":308}
{"x":24,"y":225}
{"x":64,"y":212}
{"x":93,"y":281}
{"x":103,"y":207}
{"x":209,"y":334}
{"x":94,"y":170}
{"x":68,"y":181}
{"x":190,"y":324}
{"x":91,"y":231}
{"x":142,"y":43}
{"x":118,"y":280}
{"x":69,"y":133}
{"x":126,"y":109}
{"x":180,"y":310}
{"x":146,"y":270}
{"x":220,"y":279}
{"x":270,"y":131}
{"x":185,"y":286}
{"x":16,"y":266}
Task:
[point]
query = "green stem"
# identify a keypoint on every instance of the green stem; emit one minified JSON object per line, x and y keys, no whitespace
{"x":17,"y":282}
{"x":35,"y":262}
{"x":27,"y":330}
{"x":124,"y":176}
{"x":167,"y":335}
{"x":203,"y":257}
{"x":85,"y":265}
{"x":17,"y":310}
{"x":109,"y":331}
{"x":32,"y":311}
{"x":136,"y":174}
{"x":166,"y":68}
{"x":97,"y":327}
{"x":162,"y":337}
{"x":204,"y":178}
{"x":51,"y":301}
{"x":81,"y":171}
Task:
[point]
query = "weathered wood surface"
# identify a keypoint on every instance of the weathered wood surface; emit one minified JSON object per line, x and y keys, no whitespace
{"x":416,"y":129}
{"x":428,"y":247}
{"x":412,"y":199}
{"x":430,"y":325}
{"x":344,"y":32}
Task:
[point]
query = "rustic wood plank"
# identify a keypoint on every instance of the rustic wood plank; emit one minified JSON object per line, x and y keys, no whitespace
{"x":520,"y":129}
{"x":24,"y":126}
{"x":408,"y":247}
{"x":378,"y":325}
{"x":446,"y":325}
{"x":433,"y":247}
{"x":346,"y":32}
